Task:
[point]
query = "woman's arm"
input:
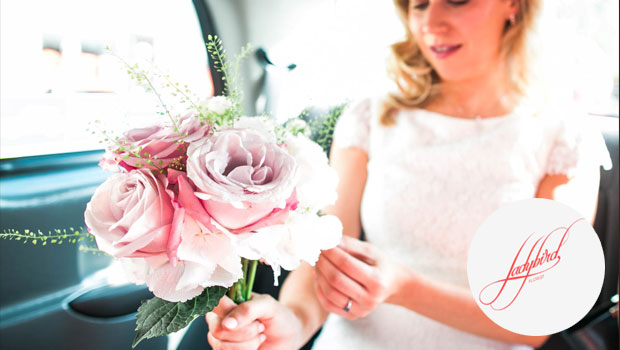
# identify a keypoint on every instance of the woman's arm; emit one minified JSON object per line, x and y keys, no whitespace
{"x":579,"y":193}
{"x":453,"y":306}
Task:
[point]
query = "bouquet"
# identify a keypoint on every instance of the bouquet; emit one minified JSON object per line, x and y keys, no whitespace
{"x":200,"y":198}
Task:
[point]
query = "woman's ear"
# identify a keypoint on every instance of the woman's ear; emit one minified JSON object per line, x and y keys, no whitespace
{"x":514,"y":6}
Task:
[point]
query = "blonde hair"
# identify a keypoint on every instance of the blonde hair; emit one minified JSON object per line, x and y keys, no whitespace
{"x":417,"y":80}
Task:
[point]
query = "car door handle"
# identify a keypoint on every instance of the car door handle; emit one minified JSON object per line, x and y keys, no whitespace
{"x":110,"y":301}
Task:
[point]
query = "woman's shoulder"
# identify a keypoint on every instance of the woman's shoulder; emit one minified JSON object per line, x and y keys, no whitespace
{"x":354,"y":124}
{"x":364,"y":107}
{"x":574,"y":138}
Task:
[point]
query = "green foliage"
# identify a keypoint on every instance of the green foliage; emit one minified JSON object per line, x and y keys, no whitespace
{"x":57,"y":236}
{"x":157,"y":317}
{"x":85,"y":240}
{"x":215,"y":119}
{"x":322,"y":126}
{"x":230,"y":73}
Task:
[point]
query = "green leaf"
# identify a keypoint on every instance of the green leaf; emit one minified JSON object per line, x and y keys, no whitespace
{"x":157,"y":317}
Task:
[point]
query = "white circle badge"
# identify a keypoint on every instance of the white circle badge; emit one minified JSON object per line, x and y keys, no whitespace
{"x":535,"y":267}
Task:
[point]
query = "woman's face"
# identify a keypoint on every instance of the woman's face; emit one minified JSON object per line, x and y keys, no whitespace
{"x":460,"y":38}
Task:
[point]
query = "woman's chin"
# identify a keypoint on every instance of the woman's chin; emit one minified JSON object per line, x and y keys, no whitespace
{"x":453,"y":74}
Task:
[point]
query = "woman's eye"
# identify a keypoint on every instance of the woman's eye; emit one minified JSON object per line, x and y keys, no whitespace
{"x":458,"y":3}
{"x":420,"y":5}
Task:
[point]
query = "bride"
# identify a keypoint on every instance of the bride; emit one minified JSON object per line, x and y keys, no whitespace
{"x":420,"y":170}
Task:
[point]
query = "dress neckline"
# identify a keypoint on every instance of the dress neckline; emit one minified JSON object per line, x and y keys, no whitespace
{"x":506,"y":116}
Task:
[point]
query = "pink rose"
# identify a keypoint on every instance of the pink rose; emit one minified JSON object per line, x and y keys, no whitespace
{"x":131,"y":215}
{"x":243,"y":180}
{"x":159,"y":143}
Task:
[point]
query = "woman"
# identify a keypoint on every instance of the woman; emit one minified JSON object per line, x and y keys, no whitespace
{"x":420,"y":171}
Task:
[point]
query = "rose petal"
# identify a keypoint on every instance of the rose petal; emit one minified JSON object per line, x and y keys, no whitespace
{"x":262,"y":176}
{"x":192,"y":205}
{"x":231,"y":217}
{"x":241,"y":176}
{"x":276,"y":217}
{"x":174,"y":240}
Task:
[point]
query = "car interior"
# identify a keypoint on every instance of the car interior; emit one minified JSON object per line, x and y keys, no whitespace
{"x":69,"y":296}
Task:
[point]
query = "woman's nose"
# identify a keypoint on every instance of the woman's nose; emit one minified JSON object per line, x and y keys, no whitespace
{"x":434,"y":20}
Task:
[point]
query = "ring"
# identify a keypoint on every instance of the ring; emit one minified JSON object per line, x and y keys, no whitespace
{"x":348,"y":307}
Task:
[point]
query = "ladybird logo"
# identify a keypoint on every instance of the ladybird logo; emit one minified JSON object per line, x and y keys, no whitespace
{"x":536,"y":259}
{"x":535,"y":267}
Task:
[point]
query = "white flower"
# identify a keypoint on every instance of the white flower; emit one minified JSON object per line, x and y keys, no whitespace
{"x":316,"y":181}
{"x":298,"y":125}
{"x":301,"y":238}
{"x":262,"y":125}
{"x":217,"y":104}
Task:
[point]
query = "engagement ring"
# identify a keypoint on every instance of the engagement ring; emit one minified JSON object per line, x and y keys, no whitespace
{"x":348,"y":307}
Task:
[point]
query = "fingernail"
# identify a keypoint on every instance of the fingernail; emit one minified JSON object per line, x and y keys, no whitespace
{"x":229,"y":323}
{"x":262,"y":338}
{"x":261,"y":327}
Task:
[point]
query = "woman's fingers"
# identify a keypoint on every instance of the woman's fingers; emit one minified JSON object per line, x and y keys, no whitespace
{"x":330,"y":306}
{"x":225,"y":306}
{"x":231,"y":329}
{"x":356,"y":271}
{"x":363,"y":251}
{"x":218,"y":344}
{"x":259,"y":307}
{"x":353,"y":269}
{"x":331,"y":293}
{"x":335,"y":284}
{"x":239,"y":334}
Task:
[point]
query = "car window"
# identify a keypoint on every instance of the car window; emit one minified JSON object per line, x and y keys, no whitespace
{"x":580,"y":43}
{"x":57,"y":75}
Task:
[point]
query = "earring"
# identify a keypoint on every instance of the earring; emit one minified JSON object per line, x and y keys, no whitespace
{"x":512,"y":19}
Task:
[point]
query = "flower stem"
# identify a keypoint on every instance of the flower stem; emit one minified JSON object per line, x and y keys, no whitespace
{"x":241,"y":291}
{"x":232,"y":291}
{"x":250,"y":280}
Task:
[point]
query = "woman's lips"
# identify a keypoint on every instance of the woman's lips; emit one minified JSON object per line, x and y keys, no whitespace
{"x":443,"y":51}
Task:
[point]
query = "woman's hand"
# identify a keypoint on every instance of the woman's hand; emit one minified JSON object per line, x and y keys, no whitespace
{"x":358,"y":272}
{"x":260,"y":323}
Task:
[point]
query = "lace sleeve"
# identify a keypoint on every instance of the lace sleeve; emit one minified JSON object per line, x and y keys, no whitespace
{"x":577,"y":144}
{"x":353,"y":127}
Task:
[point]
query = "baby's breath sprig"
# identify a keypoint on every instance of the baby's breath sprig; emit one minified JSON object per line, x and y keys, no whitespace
{"x":117,"y":146}
{"x":56,"y":236}
{"x":184,"y":94}
{"x":230,"y":74}
{"x":90,"y":249}
{"x":141,"y":76}
{"x":280,"y":132}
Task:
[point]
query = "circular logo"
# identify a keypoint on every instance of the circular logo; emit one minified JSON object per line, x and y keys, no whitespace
{"x":535,"y":267}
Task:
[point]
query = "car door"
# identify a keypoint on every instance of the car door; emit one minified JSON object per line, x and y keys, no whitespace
{"x":59,"y":76}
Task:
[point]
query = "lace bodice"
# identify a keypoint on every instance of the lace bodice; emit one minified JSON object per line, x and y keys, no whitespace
{"x":432,"y":180}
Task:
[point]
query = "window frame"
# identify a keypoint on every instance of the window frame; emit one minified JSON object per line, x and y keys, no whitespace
{"x":57,"y":161}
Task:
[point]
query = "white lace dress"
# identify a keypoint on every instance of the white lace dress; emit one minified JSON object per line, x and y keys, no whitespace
{"x":432,"y":180}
